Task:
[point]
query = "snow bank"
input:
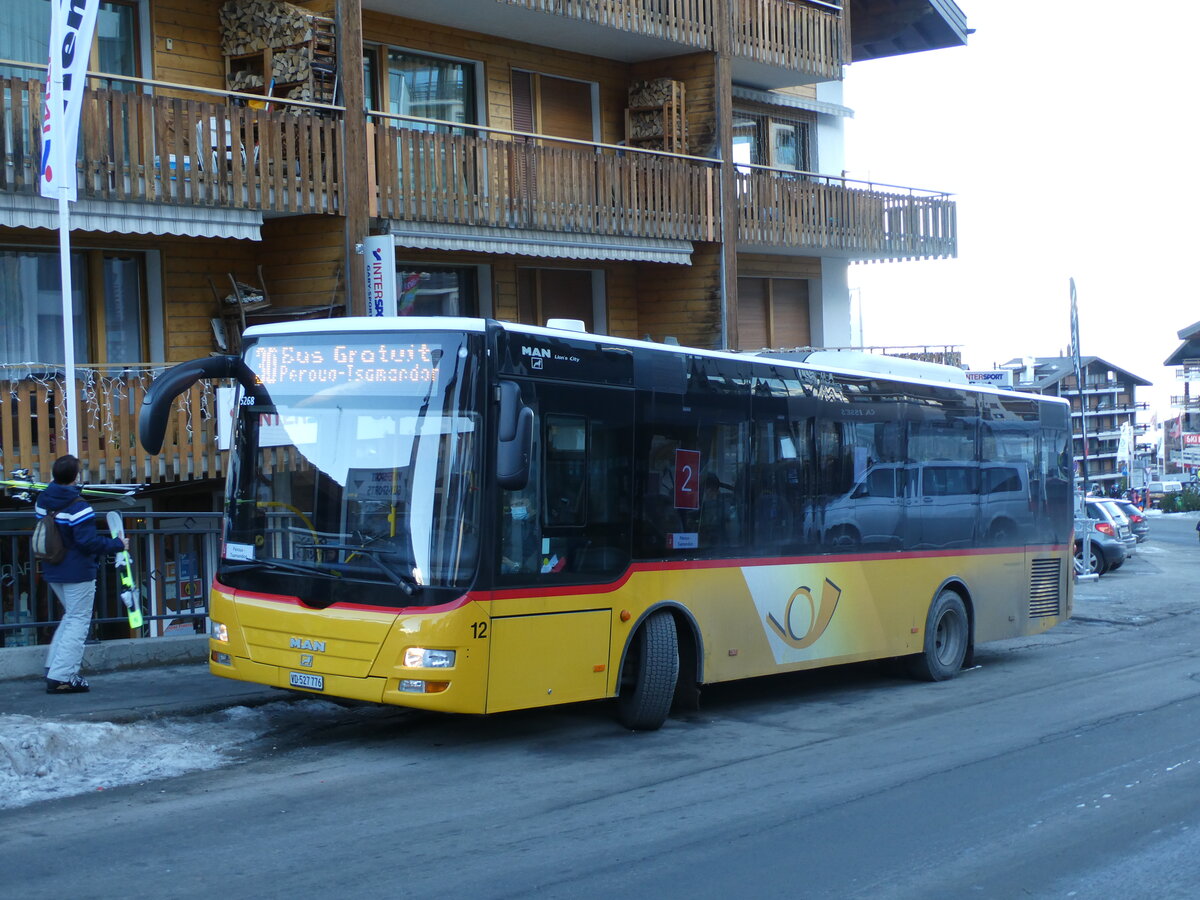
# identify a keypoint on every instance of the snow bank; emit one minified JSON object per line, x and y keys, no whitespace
{"x":41,"y":760}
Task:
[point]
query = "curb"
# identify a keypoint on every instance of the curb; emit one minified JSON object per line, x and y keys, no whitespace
{"x":110,"y":656}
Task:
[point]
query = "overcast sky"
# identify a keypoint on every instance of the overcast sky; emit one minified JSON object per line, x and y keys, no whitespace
{"x":1066,"y":130}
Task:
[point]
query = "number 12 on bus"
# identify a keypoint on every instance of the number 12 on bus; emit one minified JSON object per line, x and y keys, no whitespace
{"x":473,"y":516}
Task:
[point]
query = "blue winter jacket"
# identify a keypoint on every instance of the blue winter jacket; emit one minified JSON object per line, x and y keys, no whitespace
{"x":77,"y":524}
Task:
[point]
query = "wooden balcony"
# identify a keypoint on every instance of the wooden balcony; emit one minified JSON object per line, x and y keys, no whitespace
{"x":688,"y":22}
{"x":503,"y":179}
{"x":158,"y":143}
{"x":33,"y":410}
{"x":793,"y":35}
{"x":797,"y":36}
{"x":839,"y":217}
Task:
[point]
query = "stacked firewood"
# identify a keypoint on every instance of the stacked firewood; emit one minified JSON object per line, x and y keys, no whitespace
{"x":291,"y":65}
{"x":655,"y":92}
{"x":656,"y":116}
{"x":251,"y":25}
{"x":244,"y":80}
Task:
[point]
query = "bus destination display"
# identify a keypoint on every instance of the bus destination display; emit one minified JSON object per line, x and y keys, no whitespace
{"x":298,"y":364}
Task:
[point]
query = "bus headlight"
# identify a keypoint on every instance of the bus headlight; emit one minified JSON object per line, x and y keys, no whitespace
{"x":218,"y":632}
{"x":423,"y":658}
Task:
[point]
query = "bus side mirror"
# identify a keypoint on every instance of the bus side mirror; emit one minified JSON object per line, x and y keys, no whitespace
{"x":514,"y":438}
{"x":156,"y":405}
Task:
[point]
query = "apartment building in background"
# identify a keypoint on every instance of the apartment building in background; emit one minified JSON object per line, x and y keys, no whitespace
{"x":651,"y":168}
{"x":1101,"y":412}
{"x":1181,"y":435}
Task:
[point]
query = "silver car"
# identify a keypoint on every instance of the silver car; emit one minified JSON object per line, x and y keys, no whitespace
{"x":1104,"y":510}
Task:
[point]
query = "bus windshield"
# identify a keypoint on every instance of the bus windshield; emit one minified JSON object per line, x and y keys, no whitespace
{"x":354,"y":469}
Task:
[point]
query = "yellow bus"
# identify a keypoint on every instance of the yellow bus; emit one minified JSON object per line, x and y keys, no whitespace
{"x":473,"y":516}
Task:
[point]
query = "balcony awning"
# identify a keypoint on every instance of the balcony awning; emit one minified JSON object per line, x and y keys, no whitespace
{"x":124,"y":217}
{"x":550,"y":244}
{"x":793,"y":101}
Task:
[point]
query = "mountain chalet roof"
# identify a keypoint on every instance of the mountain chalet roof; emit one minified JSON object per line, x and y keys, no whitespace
{"x":1189,"y":349}
{"x":1049,"y":370}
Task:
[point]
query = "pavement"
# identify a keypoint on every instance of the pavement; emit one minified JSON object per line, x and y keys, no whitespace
{"x":133,"y":695}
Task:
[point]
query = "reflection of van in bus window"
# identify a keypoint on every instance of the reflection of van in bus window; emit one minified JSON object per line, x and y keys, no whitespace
{"x":871,"y":513}
{"x":1006,"y":507}
{"x":936,"y":505}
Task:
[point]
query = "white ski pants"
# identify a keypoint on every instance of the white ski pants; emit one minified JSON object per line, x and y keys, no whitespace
{"x":66,"y":647}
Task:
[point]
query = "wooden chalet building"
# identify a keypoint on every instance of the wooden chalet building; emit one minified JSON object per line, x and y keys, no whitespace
{"x":651,"y":167}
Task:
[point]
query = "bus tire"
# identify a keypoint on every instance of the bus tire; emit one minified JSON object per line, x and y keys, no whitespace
{"x":651,"y":671}
{"x":947,"y":636}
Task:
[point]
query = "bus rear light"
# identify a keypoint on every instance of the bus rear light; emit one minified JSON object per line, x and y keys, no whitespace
{"x":416,"y":686}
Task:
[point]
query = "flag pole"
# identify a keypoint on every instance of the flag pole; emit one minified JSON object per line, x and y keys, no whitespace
{"x":1083,"y":465}
{"x":72,"y":27}
{"x":64,"y":277}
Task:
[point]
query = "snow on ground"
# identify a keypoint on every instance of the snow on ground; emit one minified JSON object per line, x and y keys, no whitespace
{"x":43,"y":760}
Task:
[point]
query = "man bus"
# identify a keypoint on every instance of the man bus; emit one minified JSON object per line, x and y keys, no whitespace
{"x":473,"y":516}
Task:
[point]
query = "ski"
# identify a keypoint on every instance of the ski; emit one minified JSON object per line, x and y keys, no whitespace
{"x":124,"y":565}
{"x":23,"y":488}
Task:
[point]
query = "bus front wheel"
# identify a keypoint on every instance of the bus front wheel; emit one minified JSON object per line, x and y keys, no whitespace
{"x":947,"y":637}
{"x":651,"y":671}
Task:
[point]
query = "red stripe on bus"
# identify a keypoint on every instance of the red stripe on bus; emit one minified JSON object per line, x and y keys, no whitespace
{"x":576,"y":590}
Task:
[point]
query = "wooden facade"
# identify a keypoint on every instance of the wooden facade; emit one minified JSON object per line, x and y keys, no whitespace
{"x":545,"y":155}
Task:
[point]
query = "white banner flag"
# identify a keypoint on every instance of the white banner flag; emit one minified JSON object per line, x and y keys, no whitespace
{"x":72,"y":26}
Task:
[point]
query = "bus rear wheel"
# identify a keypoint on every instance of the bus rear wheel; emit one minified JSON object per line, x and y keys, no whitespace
{"x":651,"y":671}
{"x":947,"y":637}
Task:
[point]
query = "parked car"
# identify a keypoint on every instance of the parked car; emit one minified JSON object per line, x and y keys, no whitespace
{"x":1157,"y":490}
{"x":1137,"y":520}
{"x":1107,"y":551}
{"x":1106,"y":511}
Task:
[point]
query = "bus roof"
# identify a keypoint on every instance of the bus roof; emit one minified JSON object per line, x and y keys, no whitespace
{"x":855,"y":363}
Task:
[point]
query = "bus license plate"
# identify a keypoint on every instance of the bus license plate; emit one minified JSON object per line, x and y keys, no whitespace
{"x":305,"y":680}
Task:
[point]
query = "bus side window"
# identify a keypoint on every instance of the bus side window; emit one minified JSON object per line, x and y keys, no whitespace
{"x":566,"y":470}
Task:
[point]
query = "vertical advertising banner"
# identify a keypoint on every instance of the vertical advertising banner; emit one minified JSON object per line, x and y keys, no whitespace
{"x":72,"y":26}
{"x":380,"y":251}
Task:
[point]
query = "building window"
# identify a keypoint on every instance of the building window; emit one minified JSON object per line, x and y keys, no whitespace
{"x":771,"y":140}
{"x":26,"y":36}
{"x":772,"y":312}
{"x":544,"y":294}
{"x":424,"y":290}
{"x":108,"y":307}
{"x":413,"y":84}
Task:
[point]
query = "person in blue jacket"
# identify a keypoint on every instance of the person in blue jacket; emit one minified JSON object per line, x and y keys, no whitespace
{"x":73,"y":580}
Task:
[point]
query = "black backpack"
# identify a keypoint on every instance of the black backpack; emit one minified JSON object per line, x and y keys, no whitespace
{"x":48,"y":543}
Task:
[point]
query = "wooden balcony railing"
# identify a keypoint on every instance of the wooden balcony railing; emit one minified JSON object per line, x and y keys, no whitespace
{"x":152,"y":144}
{"x":33,"y":408}
{"x":855,"y":219}
{"x":807,"y":37}
{"x":687,"y":22}
{"x":511,"y":180}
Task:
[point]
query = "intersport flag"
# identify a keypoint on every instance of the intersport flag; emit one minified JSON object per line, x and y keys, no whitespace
{"x":72,"y":26}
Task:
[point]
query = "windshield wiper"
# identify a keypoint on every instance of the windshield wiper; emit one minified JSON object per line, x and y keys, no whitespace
{"x":406,"y":581}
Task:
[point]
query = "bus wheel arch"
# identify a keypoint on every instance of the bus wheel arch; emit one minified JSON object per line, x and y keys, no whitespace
{"x":659,"y":664}
{"x":948,"y":635}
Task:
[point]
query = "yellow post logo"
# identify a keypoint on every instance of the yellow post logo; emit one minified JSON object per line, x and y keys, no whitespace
{"x":799,"y":631}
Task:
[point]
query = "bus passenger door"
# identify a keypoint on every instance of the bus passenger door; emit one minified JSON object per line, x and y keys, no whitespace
{"x":567,"y":528}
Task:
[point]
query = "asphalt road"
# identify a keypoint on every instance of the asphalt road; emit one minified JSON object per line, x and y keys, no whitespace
{"x":1066,"y":765}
